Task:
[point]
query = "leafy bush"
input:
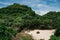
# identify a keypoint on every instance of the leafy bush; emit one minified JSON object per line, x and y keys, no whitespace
{"x":58,"y":38}
{"x":6,"y":33}
{"x":53,"y":37}
{"x":57,"y":32}
{"x":24,"y":36}
{"x":27,"y":37}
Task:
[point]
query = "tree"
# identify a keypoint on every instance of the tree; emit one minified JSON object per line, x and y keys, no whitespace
{"x":6,"y":33}
{"x":53,"y":38}
{"x":57,"y":32}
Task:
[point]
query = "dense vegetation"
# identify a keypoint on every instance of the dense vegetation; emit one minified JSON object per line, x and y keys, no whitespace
{"x":53,"y":37}
{"x":6,"y":33}
{"x":24,"y":36}
{"x":23,"y":17}
{"x":54,"y":18}
{"x":20,"y":16}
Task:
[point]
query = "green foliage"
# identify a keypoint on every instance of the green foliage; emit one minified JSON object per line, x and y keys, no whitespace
{"x":6,"y":33}
{"x":54,"y":17}
{"x":57,"y":32}
{"x":24,"y":36}
{"x":53,"y":37}
{"x":58,"y":38}
{"x":22,"y":16}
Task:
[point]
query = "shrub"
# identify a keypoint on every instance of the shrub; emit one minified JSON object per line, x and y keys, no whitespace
{"x":53,"y":37}
{"x":41,"y":39}
{"x":24,"y":36}
{"x":57,"y":32}
{"x":6,"y":33}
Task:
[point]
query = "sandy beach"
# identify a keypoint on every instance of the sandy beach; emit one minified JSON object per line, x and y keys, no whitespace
{"x":44,"y":34}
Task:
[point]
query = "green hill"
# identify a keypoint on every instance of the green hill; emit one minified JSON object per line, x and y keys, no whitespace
{"x":23,"y":17}
{"x":54,"y":17}
{"x":20,"y":16}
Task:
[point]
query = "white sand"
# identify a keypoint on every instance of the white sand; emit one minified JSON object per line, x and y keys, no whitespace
{"x":44,"y":34}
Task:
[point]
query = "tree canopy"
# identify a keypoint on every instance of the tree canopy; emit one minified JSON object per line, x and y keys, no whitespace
{"x":6,"y":33}
{"x":22,"y":16}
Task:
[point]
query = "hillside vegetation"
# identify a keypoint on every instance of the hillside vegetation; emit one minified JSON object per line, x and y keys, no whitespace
{"x":22,"y":17}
